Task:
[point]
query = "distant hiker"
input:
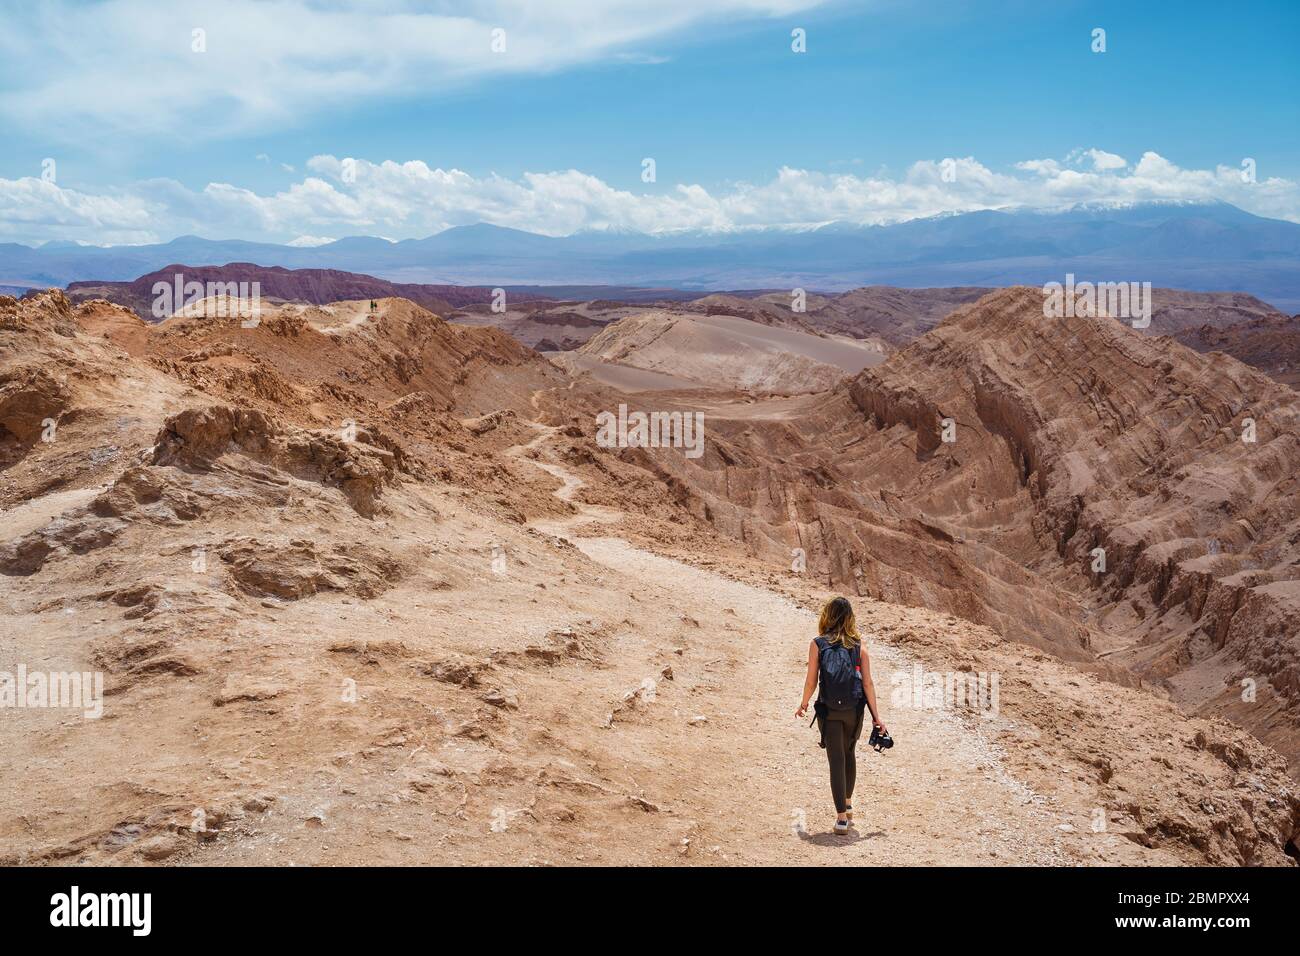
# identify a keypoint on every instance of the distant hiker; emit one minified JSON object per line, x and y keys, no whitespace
{"x":838,"y":664}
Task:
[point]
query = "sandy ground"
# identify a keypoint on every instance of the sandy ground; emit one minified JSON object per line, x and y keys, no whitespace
{"x":942,"y":797}
{"x":717,"y":351}
{"x":673,"y":742}
{"x":727,"y":774}
{"x":532,"y":664}
{"x":623,"y":377}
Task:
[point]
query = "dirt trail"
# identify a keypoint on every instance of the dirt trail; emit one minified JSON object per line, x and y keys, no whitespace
{"x":941,"y":796}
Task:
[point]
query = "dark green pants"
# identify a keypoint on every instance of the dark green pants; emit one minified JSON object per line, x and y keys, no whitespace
{"x":840,"y":731}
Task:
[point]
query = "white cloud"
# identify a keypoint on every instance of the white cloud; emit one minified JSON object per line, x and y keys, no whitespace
{"x":1100,"y":160}
{"x":36,"y":210}
{"x":340,"y":197}
{"x":1044,"y":167}
{"x":1103,"y":161}
{"x":135,"y":67}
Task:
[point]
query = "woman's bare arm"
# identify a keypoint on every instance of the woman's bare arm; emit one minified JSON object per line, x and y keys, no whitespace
{"x":869,"y":686}
{"x":809,"y":682}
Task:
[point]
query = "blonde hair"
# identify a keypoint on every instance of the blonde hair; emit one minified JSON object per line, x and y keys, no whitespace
{"x":838,"y":624}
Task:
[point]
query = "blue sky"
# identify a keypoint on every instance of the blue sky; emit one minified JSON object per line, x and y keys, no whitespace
{"x":151,"y":138}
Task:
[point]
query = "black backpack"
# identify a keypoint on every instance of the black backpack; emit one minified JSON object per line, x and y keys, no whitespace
{"x":839,"y":683}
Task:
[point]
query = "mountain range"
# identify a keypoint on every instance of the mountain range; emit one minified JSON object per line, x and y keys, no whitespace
{"x":1197,"y":247}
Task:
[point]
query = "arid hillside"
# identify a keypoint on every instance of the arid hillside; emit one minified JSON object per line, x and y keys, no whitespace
{"x":981,"y":469}
{"x":1271,"y":344}
{"x":1180,"y":468}
{"x":884,"y":318}
{"x":278,"y":285}
{"x":546,"y":326}
{"x":1235,"y":323}
{"x":887,"y":313}
{"x":721,"y":351}
{"x":364,"y":589}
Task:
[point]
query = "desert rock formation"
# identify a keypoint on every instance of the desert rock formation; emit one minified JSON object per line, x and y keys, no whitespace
{"x":1067,"y":435}
{"x":364,"y":590}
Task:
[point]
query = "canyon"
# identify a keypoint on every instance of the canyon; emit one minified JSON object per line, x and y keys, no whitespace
{"x":365,"y":588}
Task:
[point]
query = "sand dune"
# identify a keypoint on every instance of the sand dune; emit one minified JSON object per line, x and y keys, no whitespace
{"x":721,"y":351}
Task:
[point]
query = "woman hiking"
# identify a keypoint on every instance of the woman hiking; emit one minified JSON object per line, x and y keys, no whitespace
{"x":838,"y":662}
